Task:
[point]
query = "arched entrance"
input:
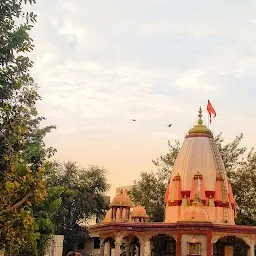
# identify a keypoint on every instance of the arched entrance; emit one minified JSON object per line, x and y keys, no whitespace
{"x":130,"y":246}
{"x":163,"y":245}
{"x":230,"y":244}
{"x":134,"y":246}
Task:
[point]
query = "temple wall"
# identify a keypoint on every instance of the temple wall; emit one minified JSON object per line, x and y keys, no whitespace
{"x":172,"y":214}
{"x":185,"y":239}
{"x":88,"y":248}
{"x":56,"y":246}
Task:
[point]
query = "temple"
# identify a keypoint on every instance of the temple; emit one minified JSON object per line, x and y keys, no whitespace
{"x":200,"y":210}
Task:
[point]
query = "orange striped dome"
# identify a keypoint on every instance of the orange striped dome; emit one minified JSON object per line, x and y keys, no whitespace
{"x":121,"y":200}
{"x":139,"y":212}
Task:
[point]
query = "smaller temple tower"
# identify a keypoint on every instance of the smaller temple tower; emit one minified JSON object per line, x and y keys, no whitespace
{"x":119,"y":208}
{"x":123,"y":210}
{"x":139,"y":214}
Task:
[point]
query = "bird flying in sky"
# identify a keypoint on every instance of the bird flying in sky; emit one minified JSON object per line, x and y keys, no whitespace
{"x":169,"y":125}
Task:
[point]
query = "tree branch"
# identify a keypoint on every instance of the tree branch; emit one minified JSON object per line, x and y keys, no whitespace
{"x":18,"y":204}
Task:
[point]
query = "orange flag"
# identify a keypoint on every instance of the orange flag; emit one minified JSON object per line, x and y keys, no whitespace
{"x":211,"y":110}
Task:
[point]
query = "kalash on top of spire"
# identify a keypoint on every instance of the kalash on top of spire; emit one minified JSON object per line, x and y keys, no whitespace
{"x":200,"y":128}
{"x":199,"y":174}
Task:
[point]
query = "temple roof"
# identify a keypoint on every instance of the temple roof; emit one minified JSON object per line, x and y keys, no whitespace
{"x":197,"y":156}
{"x":139,"y":211}
{"x":121,"y":200}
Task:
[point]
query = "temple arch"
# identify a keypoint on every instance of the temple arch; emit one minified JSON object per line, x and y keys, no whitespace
{"x":109,"y":246}
{"x":130,"y":245}
{"x":163,"y":244}
{"x":233,"y":244}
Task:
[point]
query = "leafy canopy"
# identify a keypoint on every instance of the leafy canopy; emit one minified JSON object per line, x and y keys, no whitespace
{"x":83,"y":198}
{"x":22,"y":151}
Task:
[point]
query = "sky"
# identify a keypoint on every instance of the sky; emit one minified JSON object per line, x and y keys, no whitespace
{"x":99,"y":64}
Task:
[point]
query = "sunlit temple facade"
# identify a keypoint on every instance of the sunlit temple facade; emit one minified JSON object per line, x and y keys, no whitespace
{"x":200,"y":210}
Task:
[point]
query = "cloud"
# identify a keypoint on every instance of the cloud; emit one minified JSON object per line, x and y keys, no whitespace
{"x":194,"y":79}
{"x":100,"y":63}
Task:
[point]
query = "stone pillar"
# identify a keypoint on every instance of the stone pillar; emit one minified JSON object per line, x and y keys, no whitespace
{"x":209,"y":244}
{"x":107,"y":249}
{"x":147,"y":248}
{"x":178,"y":244}
{"x":251,"y":250}
{"x":137,"y":251}
{"x":102,"y":247}
{"x":142,"y":247}
{"x":117,"y":246}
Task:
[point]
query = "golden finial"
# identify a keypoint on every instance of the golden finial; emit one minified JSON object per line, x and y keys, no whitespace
{"x":200,"y":121}
{"x":200,"y":128}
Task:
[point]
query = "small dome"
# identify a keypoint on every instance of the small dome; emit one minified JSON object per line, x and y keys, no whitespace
{"x":108,"y":216}
{"x":121,"y":200}
{"x":196,"y":212}
{"x":139,"y":212}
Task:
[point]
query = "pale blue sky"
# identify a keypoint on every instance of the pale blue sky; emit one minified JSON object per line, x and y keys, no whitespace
{"x":101,"y":63}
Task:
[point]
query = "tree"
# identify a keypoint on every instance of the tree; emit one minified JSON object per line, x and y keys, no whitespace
{"x":232,"y":154}
{"x":44,"y":215}
{"x":244,"y":189}
{"x":150,"y":189}
{"x":22,"y":150}
{"x":82,"y":198}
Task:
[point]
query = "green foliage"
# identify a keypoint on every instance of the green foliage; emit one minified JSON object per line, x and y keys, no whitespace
{"x":44,"y":214}
{"x":28,"y":246}
{"x":165,"y":163}
{"x":232,"y":153}
{"x":22,"y":151}
{"x":150,"y":189}
{"x":241,"y":169}
{"x":82,"y":198}
{"x":244,"y":189}
{"x":142,"y":193}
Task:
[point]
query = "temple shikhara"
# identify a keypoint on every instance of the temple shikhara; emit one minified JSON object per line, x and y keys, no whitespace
{"x":200,"y":210}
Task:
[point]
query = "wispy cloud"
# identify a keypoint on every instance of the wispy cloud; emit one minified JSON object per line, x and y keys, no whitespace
{"x":101,"y":63}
